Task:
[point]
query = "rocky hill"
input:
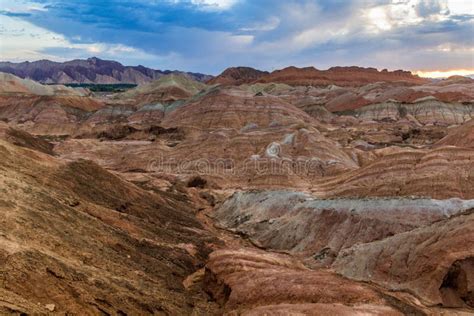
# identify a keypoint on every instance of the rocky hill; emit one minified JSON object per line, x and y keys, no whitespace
{"x":310,"y":76}
{"x":167,"y":89}
{"x":340,"y":76}
{"x":91,"y":70}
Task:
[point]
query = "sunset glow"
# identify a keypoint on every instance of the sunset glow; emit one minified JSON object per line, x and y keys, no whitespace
{"x":445,"y":73}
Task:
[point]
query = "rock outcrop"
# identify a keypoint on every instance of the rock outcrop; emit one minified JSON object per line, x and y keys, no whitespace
{"x":441,"y":173}
{"x":426,"y":111}
{"x":300,"y":224}
{"x":237,"y":76}
{"x":250,"y":282}
{"x":462,"y":136}
{"x":434,"y":262}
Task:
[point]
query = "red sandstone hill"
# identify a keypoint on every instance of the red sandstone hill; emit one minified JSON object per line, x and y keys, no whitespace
{"x":238,"y":76}
{"x":310,"y":76}
{"x":341,"y":76}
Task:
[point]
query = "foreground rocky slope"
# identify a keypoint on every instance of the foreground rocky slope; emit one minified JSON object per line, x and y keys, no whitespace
{"x":78,"y":239}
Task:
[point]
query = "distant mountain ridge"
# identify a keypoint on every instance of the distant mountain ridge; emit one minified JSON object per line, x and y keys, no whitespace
{"x":310,"y":76}
{"x":91,"y":70}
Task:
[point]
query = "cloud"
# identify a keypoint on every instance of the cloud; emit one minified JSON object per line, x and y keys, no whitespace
{"x":270,"y":24}
{"x":21,"y":6}
{"x":461,"y":7}
{"x":21,"y":41}
{"x":215,"y":4}
{"x":209,"y":35}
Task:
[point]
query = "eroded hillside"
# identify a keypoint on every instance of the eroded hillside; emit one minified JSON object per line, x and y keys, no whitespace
{"x":350,"y":193}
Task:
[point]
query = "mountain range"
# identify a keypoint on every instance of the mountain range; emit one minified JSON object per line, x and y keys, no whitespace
{"x":91,"y":70}
{"x":310,"y":76}
{"x":98,"y":71}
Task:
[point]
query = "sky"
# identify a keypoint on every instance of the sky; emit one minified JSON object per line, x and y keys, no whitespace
{"x":429,"y":37}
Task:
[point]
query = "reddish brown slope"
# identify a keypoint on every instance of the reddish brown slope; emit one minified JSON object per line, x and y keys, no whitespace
{"x":341,"y":76}
{"x":76,"y":239}
{"x":237,"y":76}
{"x":91,"y":70}
{"x":234,"y":108}
{"x":462,"y":136}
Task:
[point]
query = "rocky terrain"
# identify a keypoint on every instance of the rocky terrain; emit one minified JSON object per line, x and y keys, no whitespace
{"x":348,"y":191}
{"x":91,"y":70}
{"x":95,"y":243}
{"x":238,"y":76}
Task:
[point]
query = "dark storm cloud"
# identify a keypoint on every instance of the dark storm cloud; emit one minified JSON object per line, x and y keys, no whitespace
{"x":205,"y":36}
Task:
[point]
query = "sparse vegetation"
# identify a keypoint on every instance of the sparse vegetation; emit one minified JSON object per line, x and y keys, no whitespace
{"x":115,"y":88}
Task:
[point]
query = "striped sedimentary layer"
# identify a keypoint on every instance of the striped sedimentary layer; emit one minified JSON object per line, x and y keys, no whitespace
{"x":422,"y":246}
{"x":300,"y":223}
{"x":250,"y":282}
{"x":426,"y":111}
{"x":435,"y":262}
{"x":439,"y":173}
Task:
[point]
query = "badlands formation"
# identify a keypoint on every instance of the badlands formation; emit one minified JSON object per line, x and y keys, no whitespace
{"x":348,"y":191}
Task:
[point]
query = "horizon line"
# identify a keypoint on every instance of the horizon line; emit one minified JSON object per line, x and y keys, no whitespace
{"x":425,"y":73}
